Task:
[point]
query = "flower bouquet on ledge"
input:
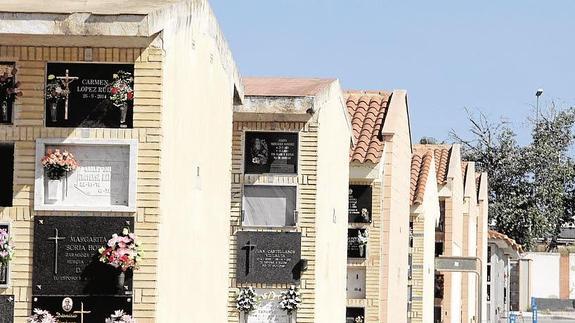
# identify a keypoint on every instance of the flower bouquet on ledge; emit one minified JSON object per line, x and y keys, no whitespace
{"x":246,"y":301}
{"x":9,"y":91}
{"x":6,"y":254}
{"x":120,"y":317}
{"x":41,"y":316}
{"x":56,"y":92}
{"x":121,"y":91}
{"x":122,"y":252}
{"x":290,"y":300}
{"x":57,"y":165}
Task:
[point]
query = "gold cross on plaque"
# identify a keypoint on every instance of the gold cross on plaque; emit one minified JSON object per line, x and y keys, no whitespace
{"x":66,"y":81}
{"x":56,"y":238}
{"x":82,"y":312}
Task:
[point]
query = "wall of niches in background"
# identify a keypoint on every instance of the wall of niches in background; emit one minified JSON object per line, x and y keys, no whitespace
{"x":29,"y":126}
{"x":372,"y":262}
{"x":306,"y":180}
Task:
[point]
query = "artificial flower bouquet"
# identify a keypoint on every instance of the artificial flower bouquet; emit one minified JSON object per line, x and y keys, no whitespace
{"x":41,"y":316}
{"x":122,"y":251}
{"x":120,"y":317}
{"x":6,"y":247}
{"x":57,"y":163}
{"x":121,"y":90}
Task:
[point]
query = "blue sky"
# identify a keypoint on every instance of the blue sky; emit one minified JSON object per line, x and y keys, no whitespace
{"x":448,"y":55}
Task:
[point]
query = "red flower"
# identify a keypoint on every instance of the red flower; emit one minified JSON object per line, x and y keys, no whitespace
{"x":131,"y":95}
{"x":114,"y":90}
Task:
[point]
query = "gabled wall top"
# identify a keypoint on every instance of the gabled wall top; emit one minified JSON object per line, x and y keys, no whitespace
{"x":97,"y":7}
{"x":285,"y":99}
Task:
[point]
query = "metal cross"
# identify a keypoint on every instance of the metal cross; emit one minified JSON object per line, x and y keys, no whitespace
{"x":56,"y":238}
{"x":66,"y":80}
{"x":82,"y":312}
{"x":248,"y":248}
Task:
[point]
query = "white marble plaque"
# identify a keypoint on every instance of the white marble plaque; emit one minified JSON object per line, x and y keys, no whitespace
{"x":268,"y":310}
{"x":105,"y":179}
{"x":355,"y":282}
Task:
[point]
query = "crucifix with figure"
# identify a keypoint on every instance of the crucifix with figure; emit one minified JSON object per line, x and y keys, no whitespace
{"x":249,"y":247}
{"x":82,"y":312}
{"x":56,"y":239}
{"x":66,"y":81}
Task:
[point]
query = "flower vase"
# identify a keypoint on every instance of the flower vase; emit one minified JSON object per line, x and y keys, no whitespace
{"x":4,"y":111}
{"x":54,"y":111}
{"x":3,"y":273}
{"x":123,"y":113}
{"x":121,"y":282}
{"x":55,"y":190}
{"x":362,"y":250}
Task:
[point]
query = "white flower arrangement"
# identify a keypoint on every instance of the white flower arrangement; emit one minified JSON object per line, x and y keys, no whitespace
{"x":247,"y":300}
{"x":120,"y":316}
{"x":362,"y":238}
{"x":41,"y":316}
{"x":358,"y":319}
{"x":6,"y":247}
{"x":290,"y":300}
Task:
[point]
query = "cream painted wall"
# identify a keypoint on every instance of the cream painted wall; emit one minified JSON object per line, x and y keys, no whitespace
{"x":431,"y":214}
{"x":331,"y":203}
{"x":471,"y":241}
{"x":196,"y":161}
{"x":396,"y":211}
{"x":545,"y":265}
{"x":482,"y":225}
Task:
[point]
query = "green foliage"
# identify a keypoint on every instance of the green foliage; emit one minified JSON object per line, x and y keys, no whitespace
{"x":531,"y":187}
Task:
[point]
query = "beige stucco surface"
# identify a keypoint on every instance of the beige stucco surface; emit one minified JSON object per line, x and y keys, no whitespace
{"x":331,"y":204}
{"x":198,"y":86}
{"x":396,"y":210}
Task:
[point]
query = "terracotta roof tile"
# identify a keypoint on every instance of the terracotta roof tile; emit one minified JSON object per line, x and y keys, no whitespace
{"x":284,"y":86}
{"x":442,"y":154}
{"x":421,"y":164}
{"x":500,"y":236}
{"x":367,"y":110}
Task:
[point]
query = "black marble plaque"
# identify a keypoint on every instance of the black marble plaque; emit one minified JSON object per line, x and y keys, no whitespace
{"x":7,"y":98}
{"x":268,"y":257}
{"x":352,"y":313}
{"x":89,"y":104}
{"x":271,"y":152}
{"x":6,"y":308}
{"x":71,"y":266}
{"x":354,"y":248}
{"x":4,"y":270}
{"x":360,"y":197}
{"x":78,"y":309}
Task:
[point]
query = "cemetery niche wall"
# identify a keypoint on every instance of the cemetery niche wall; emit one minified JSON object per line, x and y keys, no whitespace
{"x":360,"y":204}
{"x":104,"y":179}
{"x":89,"y":95}
{"x":356,"y":282}
{"x":68,"y":278}
{"x":269,"y":257}
{"x":271,"y":152}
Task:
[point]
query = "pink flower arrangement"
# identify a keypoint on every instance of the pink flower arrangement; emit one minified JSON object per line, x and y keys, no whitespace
{"x":122,"y":251}
{"x":57,"y":163}
{"x":6,"y":247}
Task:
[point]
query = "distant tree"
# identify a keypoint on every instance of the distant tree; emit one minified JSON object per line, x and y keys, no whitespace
{"x":532,"y":187}
{"x":428,"y":141}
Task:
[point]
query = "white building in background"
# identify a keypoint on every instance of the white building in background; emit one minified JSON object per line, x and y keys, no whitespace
{"x":501,"y":252}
